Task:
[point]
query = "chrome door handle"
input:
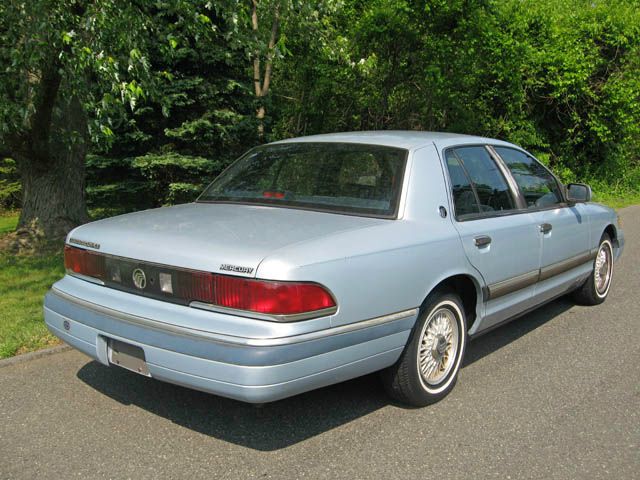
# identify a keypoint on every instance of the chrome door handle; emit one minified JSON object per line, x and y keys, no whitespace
{"x":546,"y":227}
{"x":482,"y":241}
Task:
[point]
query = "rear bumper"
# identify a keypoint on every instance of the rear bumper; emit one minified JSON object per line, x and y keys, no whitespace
{"x":250,"y":369}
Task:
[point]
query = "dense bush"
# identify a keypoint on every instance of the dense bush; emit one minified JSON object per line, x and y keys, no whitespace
{"x":561,"y":78}
{"x":10,"y":190}
{"x":128,"y":184}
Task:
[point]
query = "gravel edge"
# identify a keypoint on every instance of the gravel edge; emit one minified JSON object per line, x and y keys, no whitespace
{"x":8,"y":362}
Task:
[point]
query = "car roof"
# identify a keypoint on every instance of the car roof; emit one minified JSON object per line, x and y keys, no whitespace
{"x":406,"y":139}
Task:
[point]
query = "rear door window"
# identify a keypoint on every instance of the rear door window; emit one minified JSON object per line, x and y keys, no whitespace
{"x":479,"y":187}
{"x":464,"y":197}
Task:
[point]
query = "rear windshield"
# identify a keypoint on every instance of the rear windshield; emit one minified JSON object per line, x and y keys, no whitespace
{"x":337,"y":177}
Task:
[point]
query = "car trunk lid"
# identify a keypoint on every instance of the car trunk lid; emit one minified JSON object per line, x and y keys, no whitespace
{"x":219,"y":238}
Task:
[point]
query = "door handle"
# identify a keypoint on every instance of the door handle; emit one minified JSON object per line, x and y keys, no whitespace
{"x":482,"y":241}
{"x":545,"y":228}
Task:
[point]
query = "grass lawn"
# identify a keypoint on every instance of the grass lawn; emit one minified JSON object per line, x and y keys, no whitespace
{"x":8,"y":222}
{"x":23,"y":283}
{"x":616,"y":201}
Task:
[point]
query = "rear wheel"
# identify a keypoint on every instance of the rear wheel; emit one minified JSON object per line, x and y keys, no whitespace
{"x":596,"y":288}
{"x":428,"y":368}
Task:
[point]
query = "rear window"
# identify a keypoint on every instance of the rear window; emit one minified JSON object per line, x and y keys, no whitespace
{"x":336,"y":177}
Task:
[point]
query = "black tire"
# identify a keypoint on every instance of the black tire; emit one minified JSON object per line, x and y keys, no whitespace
{"x":589,"y":293}
{"x":404,"y":381}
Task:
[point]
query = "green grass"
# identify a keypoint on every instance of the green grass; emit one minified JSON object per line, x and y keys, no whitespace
{"x":8,"y":222}
{"x":618,"y":201}
{"x":23,"y":283}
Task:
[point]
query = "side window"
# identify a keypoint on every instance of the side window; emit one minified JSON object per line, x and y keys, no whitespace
{"x":464,"y":198}
{"x":488,"y":185}
{"x":538,"y":186}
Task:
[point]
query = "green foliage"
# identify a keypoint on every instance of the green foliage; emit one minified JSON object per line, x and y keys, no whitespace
{"x":173,"y":178}
{"x":10,"y":188}
{"x":92,"y":50}
{"x":197,"y":119}
{"x":127,"y":184}
{"x":560,"y":78}
{"x":168,"y":86}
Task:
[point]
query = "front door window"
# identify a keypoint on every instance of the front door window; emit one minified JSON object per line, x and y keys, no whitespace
{"x":538,"y":186}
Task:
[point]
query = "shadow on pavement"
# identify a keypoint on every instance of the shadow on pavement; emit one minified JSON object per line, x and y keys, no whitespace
{"x":267,"y":427}
{"x":504,"y":335}
{"x":280,"y":424}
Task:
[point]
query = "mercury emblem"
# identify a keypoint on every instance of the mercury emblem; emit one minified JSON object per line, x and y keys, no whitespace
{"x":139,"y":279}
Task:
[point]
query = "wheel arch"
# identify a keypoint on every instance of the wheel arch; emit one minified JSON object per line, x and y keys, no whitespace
{"x":613,"y":234}
{"x":469,"y":290}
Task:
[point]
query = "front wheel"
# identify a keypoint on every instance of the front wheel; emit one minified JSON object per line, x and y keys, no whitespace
{"x":596,"y":288}
{"x":428,"y":368}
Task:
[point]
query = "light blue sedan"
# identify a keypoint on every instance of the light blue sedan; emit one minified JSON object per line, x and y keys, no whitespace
{"x":319,"y":259}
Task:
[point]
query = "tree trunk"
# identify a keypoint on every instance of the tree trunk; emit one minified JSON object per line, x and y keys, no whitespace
{"x":53,"y":187}
{"x":261,"y":85}
{"x":53,"y":200}
{"x":260,"y":112}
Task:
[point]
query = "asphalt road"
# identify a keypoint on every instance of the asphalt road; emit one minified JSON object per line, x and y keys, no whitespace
{"x":555,"y":394}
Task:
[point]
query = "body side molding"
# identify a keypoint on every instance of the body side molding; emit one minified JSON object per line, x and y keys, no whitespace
{"x":513,"y":284}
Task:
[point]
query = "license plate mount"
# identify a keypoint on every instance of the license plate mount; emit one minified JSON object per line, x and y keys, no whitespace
{"x":127,"y":356}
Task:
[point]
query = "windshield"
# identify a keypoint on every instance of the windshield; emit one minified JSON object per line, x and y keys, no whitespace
{"x":338,"y":177}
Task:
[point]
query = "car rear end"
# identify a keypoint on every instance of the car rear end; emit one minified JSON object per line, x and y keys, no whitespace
{"x":173,"y":293}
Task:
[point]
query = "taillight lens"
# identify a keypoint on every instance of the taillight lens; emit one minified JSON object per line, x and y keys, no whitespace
{"x":195,"y":286}
{"x":270,"y":297}
{"x":85,"y":262}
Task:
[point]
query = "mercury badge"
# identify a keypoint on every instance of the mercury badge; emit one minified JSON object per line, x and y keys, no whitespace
{"x":236,"y":268}
{"x":85,"y":243}
{"x":139,"y":278}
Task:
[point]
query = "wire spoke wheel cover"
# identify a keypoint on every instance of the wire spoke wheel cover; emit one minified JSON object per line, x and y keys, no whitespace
{"x":603,"y":268}
{"x":439,"y":344}
{"x":428,"y":368}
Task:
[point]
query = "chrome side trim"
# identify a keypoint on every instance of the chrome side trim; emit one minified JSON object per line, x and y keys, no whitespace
{"x":564,"y":265}
{"x":230,"y":339}
{"x":325,"y":312}
{"x":512,"y":284}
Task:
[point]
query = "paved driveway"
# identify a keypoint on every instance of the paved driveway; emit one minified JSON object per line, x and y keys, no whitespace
{"x":555,"y":394}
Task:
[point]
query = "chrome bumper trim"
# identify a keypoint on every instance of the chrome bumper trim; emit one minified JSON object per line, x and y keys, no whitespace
{"x":296,"y":317}
{"x":86,"y":278}
{"x":230,"y":339}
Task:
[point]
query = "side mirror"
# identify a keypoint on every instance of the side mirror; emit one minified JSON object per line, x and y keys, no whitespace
{"x":578,"y":193}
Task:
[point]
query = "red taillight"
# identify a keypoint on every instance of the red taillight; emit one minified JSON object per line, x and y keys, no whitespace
{"x":270,"y":297}
{"x":273,"y":194}
{"x":194,"y":286}
{"x":84,"y":262}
